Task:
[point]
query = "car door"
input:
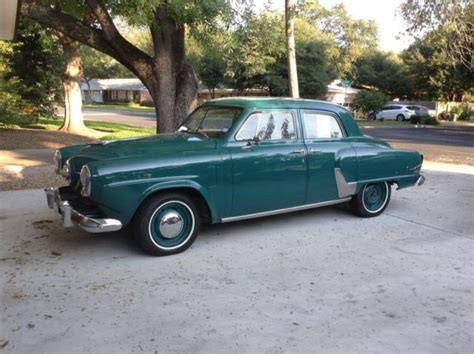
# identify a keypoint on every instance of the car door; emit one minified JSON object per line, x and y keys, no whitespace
{"x":268,"y":163}
{"x":397,"y":110}
{"x":325,"y":141}
{"x":384,"y":112}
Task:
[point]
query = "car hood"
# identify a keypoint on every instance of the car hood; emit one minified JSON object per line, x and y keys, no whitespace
{"x":153,"y":145}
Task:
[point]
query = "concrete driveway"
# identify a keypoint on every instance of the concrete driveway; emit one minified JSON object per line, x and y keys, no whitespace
{"x":314,"y":281}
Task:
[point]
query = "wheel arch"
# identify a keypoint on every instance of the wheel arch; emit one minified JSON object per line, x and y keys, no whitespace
{"x":188,"y":188}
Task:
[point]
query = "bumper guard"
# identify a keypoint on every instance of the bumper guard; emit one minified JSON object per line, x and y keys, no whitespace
{"x":72,"y":217}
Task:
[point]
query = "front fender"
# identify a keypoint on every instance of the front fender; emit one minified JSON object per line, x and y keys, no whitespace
{"x":182,"y":183}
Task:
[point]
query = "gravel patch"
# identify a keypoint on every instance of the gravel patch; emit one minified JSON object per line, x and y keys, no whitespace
{"x":11,"y":139}
{"x":23,"y":169}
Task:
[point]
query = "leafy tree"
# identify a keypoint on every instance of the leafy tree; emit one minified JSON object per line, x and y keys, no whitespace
{"x":32,"y":69}
{"x":432,"y":72}
{"x":353,"y":38}
{"x":315,"y":72}
{"x":370,"y":101}
{"x":208,"y":54}
{"x":448,"y":22}
{"x":260,"y":60}
{"x":256,"y":44}
{"x":383,"y":71}
{"x":167,"y":73}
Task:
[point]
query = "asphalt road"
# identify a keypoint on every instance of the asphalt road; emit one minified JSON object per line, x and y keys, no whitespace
{"x":316,"y":281}
{"x":446,"y":144}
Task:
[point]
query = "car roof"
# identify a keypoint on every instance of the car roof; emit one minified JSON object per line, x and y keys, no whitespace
{"x":275,"y":102}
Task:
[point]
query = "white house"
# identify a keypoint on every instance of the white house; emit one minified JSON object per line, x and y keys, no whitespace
{"x":133,"y":90}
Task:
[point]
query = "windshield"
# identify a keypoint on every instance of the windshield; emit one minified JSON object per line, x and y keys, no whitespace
{"x":211,"y":121}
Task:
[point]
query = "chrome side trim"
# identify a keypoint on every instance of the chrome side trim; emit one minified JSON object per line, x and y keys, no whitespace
{"x":344,"y":189}
{"x":285,"y":210}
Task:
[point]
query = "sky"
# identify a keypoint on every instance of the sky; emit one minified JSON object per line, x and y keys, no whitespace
{"x":384,"y":12}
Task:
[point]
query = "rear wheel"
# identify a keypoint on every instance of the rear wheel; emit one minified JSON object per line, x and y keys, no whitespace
{"x":372,"y":116}
{"x":400,"y":117}
{"x":371,"y":200}
{"x":166,"y":224}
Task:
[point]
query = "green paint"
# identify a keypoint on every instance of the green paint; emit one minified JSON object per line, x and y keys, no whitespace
{"x":233,"y":178}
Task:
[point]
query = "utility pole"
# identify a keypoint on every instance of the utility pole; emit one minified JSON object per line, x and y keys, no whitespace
{"x":290,"y":48}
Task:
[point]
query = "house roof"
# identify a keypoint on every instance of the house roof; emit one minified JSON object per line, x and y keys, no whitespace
{"x":136,"y":85}
{"x":336,"y":87}
{"x":113,"y":84}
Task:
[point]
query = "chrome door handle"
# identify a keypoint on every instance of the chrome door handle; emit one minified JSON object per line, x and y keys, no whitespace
{"x":314,"y":151}
{"x":297,"y":152}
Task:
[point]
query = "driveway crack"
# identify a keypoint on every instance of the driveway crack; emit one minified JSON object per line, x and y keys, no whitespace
{"x":428,"y":226}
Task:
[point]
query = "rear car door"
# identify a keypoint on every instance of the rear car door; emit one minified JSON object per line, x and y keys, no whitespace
{"x":384,"y":112}
{"x":326,"y":141}
{"x":269,"y":174}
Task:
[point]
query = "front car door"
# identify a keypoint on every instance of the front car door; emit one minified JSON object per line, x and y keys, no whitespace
{"x":329,"y":154}
{"x":268,"y":163}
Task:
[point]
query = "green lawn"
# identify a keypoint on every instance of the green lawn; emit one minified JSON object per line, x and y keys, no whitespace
{"x":379,"y":123}
{"x":119,"y":107}
{"x":116,"y":131}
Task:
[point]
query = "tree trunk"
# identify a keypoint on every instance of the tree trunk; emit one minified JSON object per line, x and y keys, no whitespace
{"x":73,"y":118}
{"x":169,"y":77}
{"x":173,"y":86}
{"x":290,"y":48}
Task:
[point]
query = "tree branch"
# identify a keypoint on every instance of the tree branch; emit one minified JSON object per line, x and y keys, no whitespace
{"x":102,"y":15}
{"x":123,"y":51}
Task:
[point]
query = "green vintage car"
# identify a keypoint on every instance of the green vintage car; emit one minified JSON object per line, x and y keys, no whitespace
{"x":231,"y":159}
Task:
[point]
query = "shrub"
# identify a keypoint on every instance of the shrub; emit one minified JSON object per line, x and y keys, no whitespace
{"x":425,"y":120}
{"x":457,"y":110}
{"x":466,"y":114}
{"x":370,"y":101}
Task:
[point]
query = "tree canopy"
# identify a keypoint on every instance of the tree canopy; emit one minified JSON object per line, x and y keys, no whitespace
{"x":31,"y":70}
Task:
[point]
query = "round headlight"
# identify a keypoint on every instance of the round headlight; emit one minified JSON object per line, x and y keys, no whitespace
{"x":85,"y":177}
{"x":57,"y":161}
{"x":66,"y":171}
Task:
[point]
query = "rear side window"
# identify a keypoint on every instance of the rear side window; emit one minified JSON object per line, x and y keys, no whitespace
{"x":387,"y":108}
{"x":321,"y":126}
{"x":268,"y":126}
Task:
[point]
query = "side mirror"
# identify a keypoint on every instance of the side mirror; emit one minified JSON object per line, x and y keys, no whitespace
{"x":251,"y":143}
{"x":254,"y":141}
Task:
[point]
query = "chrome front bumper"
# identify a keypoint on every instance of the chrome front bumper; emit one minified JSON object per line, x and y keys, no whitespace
{"x":72,"y":217}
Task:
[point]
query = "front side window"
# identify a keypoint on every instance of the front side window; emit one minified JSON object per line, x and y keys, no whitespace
{"x":211,"y":121}
{"x":268,"y":126}
{"x":321,"y":126}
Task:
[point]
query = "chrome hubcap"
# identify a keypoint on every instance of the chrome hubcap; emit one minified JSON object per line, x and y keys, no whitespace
{"x":171,"y":224}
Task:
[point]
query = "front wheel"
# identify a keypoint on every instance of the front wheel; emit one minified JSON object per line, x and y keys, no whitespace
{"x":372,"y":199}
{"x":166,"y":224}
